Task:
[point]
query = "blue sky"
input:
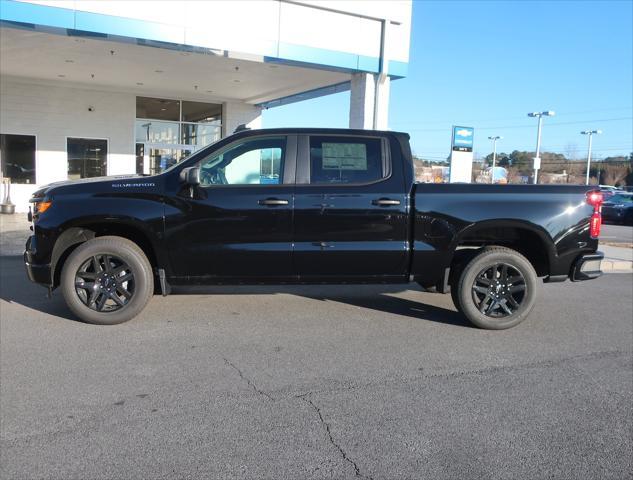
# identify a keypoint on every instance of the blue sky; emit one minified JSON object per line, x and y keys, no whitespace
{"x":487,"y":63}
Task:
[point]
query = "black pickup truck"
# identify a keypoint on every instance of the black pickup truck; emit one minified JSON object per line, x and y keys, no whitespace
{"x":308,"y":206}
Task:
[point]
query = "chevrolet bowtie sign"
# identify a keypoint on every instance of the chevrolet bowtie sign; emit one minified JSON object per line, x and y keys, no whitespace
{"x":463,"y":139}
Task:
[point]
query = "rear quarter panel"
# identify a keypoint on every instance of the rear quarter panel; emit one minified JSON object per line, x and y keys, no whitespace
{"x":445,"y":213}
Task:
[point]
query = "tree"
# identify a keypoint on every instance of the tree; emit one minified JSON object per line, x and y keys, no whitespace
{"x":503,"y":160}
{"x":522,"y":161}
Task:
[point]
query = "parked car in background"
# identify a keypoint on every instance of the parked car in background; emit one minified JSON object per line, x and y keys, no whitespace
{"x":619,"y":208}
{"x":609,"y":190}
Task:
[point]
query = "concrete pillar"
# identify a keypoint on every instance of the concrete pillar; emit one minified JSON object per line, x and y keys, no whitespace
{"x":236,"y":113}
{"x":361,"y":101}
{"x":383,"y":84}
{"x":369,"y":109}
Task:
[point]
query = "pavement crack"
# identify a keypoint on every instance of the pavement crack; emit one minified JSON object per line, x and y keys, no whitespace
{"x":248,"y":380}
{"x":326,"y":425}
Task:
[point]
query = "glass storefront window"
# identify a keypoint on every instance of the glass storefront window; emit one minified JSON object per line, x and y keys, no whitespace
{"x":165,"y":128}
{"x":200,"y":134}
{"x":157,"y":131}
{"x":157,"y":108}
{"x":18,"y":157}
{"x":198,"y":112}
{"x":87,"y":157}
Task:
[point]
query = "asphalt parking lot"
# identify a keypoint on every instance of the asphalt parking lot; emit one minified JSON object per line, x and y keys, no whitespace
{"x":616,"y":234}
{"x":317,"y":382}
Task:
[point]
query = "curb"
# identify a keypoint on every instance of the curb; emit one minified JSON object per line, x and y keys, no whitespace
{"x":612,"y":265}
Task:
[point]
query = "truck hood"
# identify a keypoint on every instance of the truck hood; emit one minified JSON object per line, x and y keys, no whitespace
{"x":96,"y":184}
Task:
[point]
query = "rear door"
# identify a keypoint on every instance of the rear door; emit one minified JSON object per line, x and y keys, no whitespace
{"x":351,"y":209}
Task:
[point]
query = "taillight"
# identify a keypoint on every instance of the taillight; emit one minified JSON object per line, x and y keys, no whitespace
{"x":594,"y":225}
{"x":595,"y":199}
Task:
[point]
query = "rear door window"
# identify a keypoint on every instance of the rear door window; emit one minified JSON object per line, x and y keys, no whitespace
{"x":345,"y":160}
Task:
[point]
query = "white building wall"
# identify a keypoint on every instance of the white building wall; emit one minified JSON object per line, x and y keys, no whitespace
{"x":52,"y":113}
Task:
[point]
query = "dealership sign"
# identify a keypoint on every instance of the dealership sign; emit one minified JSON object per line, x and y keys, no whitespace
{"x":463,"y":139}
{"x":461,"y":155}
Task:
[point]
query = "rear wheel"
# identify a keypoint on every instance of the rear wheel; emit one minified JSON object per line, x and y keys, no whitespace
{"x":496,"y":289}
{"x":107,"y":280}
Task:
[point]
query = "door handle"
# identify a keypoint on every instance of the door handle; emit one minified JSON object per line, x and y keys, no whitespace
{"x":385,"y":202}
{"x":273,"y":202}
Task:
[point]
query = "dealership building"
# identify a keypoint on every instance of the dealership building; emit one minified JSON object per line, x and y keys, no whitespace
{"x":91,"y":88}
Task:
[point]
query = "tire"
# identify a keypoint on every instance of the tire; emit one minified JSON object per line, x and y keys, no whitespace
{"x":107,"y":280}
{"x":496,"y":289}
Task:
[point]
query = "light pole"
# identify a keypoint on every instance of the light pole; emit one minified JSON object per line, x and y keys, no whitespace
{"x":537,"y":158}
{"x":494,"y":155}
{"x":590,"y":133}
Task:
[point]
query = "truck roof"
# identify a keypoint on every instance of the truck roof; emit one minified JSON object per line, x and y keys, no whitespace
{"x":320,"y":131}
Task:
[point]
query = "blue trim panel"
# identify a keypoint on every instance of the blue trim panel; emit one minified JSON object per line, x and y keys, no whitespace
{"x":128,"y":27}
{"x":319,"y":56}
{"x":75,"y":22}
{"x":398,"y":69}
{"x":11,"y":11}
{"x":368,"y":64}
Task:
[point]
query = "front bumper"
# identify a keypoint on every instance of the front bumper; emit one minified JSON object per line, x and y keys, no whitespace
{"x":587,"y":267}
{"x":37,"y":273}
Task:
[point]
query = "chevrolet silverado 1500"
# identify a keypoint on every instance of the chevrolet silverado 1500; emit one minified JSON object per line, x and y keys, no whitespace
{"x":308,"y":206}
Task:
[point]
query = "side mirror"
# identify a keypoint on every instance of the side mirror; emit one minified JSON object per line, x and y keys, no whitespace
{"x":190,"y":176}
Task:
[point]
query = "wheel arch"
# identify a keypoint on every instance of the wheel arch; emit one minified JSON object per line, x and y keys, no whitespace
{"x":532,"y":241}
{"x":74,"y":236}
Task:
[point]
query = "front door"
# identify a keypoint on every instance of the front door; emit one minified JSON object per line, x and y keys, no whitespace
{"x":238,"y":222}
{"x":350,"y":210}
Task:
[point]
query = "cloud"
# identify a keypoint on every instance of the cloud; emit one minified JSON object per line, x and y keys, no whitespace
{"x":464,"y":133}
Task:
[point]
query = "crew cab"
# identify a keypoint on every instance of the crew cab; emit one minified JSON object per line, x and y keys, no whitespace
{"x":306,"y":206}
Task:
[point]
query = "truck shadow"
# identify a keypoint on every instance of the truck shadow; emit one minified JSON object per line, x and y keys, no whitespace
{"x":15,"y":288}
{"x":380,"y":298}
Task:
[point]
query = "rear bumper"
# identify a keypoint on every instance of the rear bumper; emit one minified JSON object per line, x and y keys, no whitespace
{"x":587,"y":267}
{"x":37,"y":272}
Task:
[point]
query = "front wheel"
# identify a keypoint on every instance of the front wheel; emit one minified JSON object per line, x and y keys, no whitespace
{"x":496,"y":289}
{"x":107,"y":280}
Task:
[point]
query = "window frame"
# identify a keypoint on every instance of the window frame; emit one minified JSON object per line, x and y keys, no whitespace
{"x":304,"y":162}
{"x":107,"y":140}
{"x":36,"y":154}
{"x":289,"y":159}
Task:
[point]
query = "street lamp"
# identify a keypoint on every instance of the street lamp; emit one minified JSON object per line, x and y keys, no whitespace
{"x":494,"y":155}
{"x":537,"y":158}
{"x":591,"y":133}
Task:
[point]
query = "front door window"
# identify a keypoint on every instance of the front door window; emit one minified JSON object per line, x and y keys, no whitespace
{"x":253,"y":162}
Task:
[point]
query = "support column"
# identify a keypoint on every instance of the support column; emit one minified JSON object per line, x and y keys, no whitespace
{"x":236,"y":113}
{"x":381,"y":115}
{"x":361,"y":101}
{"x":369,"y":101}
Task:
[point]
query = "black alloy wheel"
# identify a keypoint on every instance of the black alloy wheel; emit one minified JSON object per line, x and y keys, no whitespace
{"x":104,"y":283}
{"x":495,"y":288}
{"x":498,"y":291}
